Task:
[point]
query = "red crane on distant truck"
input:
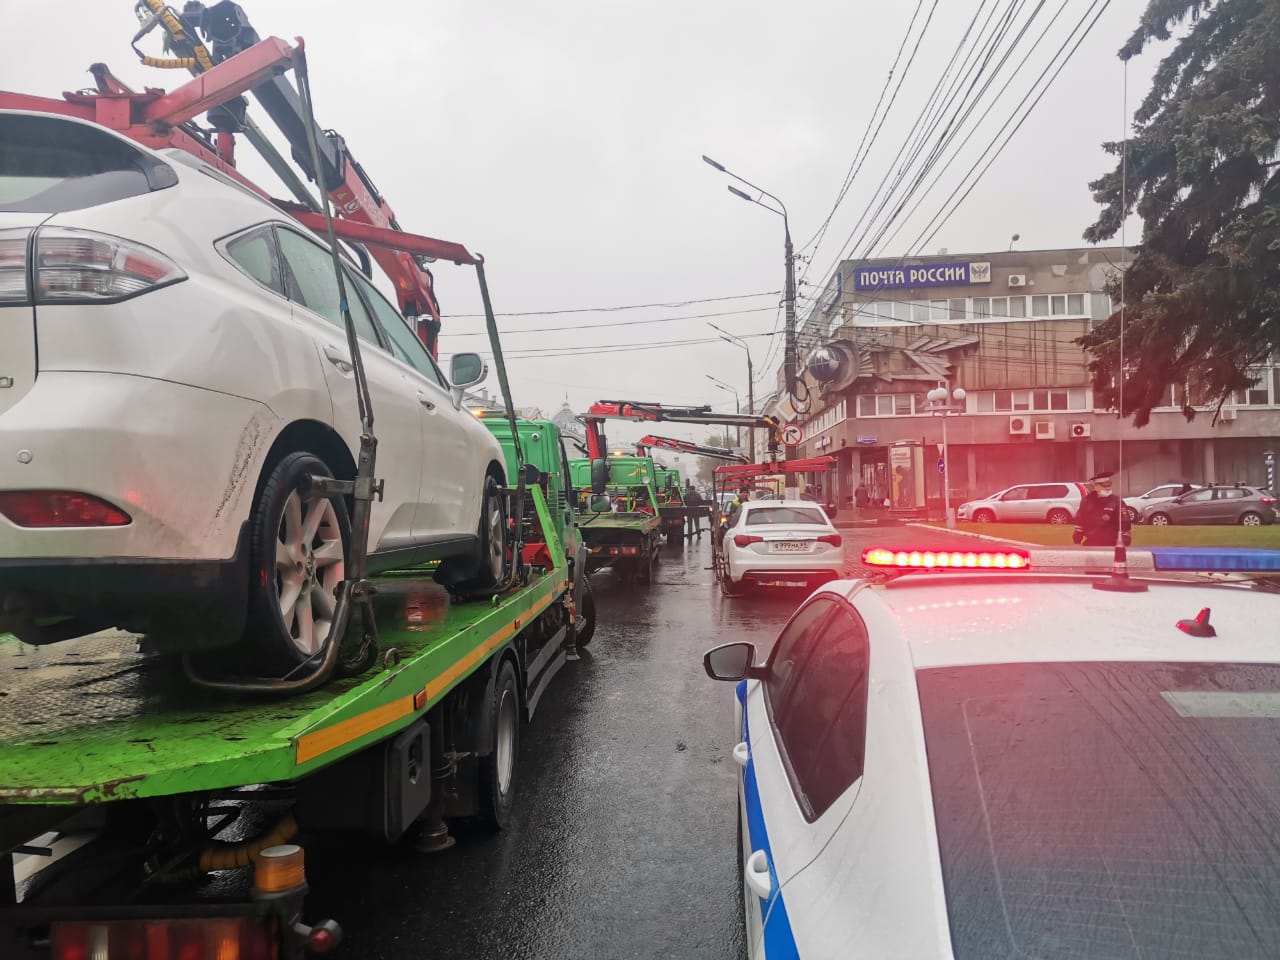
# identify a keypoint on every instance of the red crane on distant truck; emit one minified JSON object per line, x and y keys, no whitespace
{"x":642,"y":411}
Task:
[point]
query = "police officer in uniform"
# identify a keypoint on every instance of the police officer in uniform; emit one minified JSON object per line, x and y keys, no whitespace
{"x":1101,"y":515}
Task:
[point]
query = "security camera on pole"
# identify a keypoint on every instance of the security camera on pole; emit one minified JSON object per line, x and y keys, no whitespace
{"x":944,"y":402}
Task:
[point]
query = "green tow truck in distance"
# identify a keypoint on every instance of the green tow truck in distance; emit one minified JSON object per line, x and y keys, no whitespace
{"x":620,"y":523}
{"x":542,"y":445}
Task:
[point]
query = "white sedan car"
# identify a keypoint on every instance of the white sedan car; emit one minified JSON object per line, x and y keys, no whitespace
{"x":1013,"y":764}
{"x":1134,"y":506}
{"x":173,"y":366}
{"x":780,"y":542}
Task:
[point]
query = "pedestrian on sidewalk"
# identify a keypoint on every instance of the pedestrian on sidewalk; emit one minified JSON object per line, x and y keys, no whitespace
{"x":692,"y":498}
{"x":861,"y":499}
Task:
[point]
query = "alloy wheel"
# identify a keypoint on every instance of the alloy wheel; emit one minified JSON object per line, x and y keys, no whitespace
{"x":310,"y":564}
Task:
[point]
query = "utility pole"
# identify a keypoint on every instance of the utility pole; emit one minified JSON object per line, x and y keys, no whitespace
{"x":789,"y":348}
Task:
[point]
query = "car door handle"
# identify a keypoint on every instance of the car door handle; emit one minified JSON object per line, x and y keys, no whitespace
{"x":426,"y":401}
{"x":742,"y":753}
{"x":337,"y":358}
{"x":757,"y":875}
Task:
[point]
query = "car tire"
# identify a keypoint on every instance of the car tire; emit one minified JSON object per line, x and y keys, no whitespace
{"x":984,"y":516}
{"x":1250,"y":519}
{"x":644,"y":569}
{"x":1131,"y":514}
{"x":1058,"y":517}
{"x":474,"y":573}
{"x":586,"y":609}
{"x":294,"y":577}
{"x":1159,"y":520}
{"x":497,"y":771}
{"x":728,"y":586}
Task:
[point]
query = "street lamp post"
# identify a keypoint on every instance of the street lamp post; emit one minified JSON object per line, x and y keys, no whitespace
{"x":728,"y":337}
{"x":737,"y":406}
{"x":789,"y":291}
{"x":943,"y":403}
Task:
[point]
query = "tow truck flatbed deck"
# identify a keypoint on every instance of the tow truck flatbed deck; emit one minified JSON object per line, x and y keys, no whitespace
{"x":643,"y":522}
{"x":93,"y":720}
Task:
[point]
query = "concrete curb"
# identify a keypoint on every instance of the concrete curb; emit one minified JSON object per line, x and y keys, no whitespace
{"x":977,"y":536}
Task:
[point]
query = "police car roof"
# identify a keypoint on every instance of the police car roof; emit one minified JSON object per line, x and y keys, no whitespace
{"x":957,"y":619}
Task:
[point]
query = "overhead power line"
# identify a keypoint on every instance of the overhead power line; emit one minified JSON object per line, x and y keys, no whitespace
{"x":618,"y":323}
{"x":613,"y":309}
{"x":859,"y":156}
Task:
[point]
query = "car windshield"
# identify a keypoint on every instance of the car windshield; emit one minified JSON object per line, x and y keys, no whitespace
{"x":1107,"y":809}
{"x":772,"y":516}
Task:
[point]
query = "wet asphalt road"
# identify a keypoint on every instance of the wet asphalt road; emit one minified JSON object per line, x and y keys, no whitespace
{"x":622,"y":841}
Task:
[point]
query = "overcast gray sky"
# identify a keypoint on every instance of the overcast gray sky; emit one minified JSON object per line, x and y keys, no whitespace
{"x":563,"y":142}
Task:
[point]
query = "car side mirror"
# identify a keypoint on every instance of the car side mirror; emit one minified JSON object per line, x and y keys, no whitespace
{"x":599,"y":475}
{"x":601,"y":504}
{"x":730,"y":661}
{"x":467,"y":369}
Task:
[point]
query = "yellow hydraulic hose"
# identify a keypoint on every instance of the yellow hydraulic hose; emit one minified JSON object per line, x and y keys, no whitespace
{"x":243,"y":854}
{"x":174,"y":27}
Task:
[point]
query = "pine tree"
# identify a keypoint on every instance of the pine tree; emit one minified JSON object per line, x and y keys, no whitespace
{"x":1202,"y":294}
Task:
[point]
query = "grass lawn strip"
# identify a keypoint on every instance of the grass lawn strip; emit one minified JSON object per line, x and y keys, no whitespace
{"x":1050,"y":535}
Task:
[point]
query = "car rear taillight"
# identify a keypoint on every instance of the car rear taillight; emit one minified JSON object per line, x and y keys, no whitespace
{"x":210,"y":938}
{"x":746,"y":539}
{"x":1268,"y":500}
{"x":832,"y":538}
{"x":59,"y":508}
{"x":80,"y":266}
{"x":13,"y":265}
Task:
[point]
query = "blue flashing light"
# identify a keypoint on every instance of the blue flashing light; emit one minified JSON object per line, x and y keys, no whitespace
{"x":1216,"y":559}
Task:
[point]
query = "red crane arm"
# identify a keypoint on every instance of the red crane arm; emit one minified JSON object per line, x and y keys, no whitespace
{"x":657,"y":413}
{"x":687,"y":446}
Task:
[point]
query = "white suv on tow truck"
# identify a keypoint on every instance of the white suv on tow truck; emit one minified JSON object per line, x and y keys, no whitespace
{"x":173,"y":365}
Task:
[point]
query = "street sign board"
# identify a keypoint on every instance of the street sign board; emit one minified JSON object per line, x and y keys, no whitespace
{"x":942,"y":465}
{"x":791,"y":435}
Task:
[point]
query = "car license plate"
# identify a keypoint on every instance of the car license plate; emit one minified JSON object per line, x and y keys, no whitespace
{"x":790,"y":546}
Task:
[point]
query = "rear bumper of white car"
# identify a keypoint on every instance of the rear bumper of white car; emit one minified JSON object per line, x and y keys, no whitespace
{"x":825,"y":562}
{"x":180,"y":461}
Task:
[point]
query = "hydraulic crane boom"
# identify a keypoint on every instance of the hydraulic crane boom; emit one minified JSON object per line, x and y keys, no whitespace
{"x":226,"y":31}
{"x":687,"y":446}
{"x":657,"y":413}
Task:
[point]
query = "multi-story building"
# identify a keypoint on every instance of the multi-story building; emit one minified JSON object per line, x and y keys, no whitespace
{"x":1002,"y":326}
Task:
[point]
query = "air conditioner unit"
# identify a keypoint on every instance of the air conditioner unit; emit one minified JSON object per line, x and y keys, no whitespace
{"x":1018,"y":280}
{"x":1044,"y":429}
{"x":1080,"y":430}
{"x":1228,"y":414}
{"x":1019,"y":426}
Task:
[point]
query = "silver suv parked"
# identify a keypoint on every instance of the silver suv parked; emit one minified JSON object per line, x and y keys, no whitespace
{"x":1028,"y":503}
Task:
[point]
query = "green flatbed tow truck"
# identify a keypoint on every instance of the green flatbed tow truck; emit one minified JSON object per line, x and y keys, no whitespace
{"x":619,"y":520}
{"x":114,"y":747}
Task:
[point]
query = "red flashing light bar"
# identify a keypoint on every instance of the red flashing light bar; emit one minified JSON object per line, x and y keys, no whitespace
{"x":947,"y":559}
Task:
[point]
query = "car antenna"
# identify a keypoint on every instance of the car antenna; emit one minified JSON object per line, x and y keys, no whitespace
{"x":1119,"y":581}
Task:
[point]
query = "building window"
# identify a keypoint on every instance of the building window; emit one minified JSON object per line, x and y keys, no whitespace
{"x":1040,"y":305}
{"x":920,"y":311}
{"x":888,"y":405}
{"x":960,"y":309}
{"x":1099,"y":306}
{"x":1017,"y":306}
{"x":1258,"y":394}
{"x":1075,"y":304}
{"x":1029,"y":401}
{"x":981,"y":308}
